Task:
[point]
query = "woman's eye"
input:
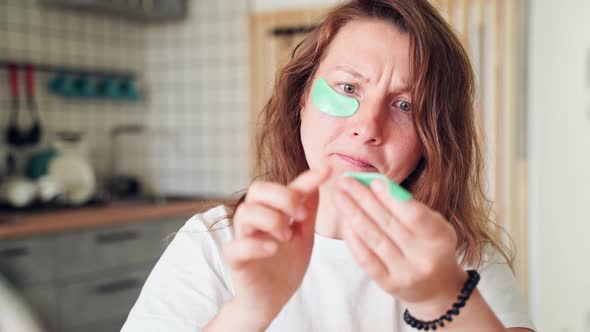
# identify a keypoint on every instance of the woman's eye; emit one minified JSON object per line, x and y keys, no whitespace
{"x":403,"y":105}
{"x":348,"y":88}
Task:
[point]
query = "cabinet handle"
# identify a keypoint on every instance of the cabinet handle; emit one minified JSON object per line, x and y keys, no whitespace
{"x":117,"y":237}
{"x":117,"y":286}
{"x":14,"y":252}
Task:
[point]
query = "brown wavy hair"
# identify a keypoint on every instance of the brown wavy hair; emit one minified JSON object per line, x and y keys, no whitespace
{"x":448,"y":179}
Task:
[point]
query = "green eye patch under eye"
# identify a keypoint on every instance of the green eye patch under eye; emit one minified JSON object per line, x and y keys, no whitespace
{"x":331,"y":102}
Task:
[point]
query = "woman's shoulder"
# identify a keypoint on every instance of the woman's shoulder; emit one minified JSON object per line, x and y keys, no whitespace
{"x":214,"y":223}
{"x":212,"y":219}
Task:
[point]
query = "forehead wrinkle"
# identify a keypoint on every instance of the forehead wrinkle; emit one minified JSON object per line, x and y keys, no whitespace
{"x":352,"y":72}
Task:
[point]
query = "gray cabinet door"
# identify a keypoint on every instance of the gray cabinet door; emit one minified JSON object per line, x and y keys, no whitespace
{"x":110,"y":326}
{"x":82,"y":254}
{"x":28,"y":261}
{"x":86,"y":280}
{"x":44,"y":302}
{"x":103,"y":299}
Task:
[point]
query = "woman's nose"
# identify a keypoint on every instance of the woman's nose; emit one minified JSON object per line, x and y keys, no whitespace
{"x":368,"y":122}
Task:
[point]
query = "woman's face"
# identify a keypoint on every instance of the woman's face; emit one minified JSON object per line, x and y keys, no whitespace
{"x":367,"y":61}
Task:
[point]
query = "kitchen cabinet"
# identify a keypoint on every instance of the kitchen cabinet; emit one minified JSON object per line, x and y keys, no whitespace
{"x":42,"y":299}
{"x":86,"y":253}
{"x":110,"y":326}
{"x":86,"y":280}
{"x":29,"y":260}
{"x":100,"y":299}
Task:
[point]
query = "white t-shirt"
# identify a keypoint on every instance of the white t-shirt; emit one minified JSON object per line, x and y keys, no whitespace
{"x":15,"y":315}
{"x":191,"y":282}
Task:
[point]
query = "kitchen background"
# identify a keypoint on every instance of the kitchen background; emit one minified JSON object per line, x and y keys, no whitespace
{"x":192,"y":80}
{"x":183,"y":140}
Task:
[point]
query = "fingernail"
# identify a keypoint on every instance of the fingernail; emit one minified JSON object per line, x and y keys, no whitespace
{"x":346,"y":185}
{"x":269,"y":246}
{"x":287,"y":234}
{"x":301,"y":213}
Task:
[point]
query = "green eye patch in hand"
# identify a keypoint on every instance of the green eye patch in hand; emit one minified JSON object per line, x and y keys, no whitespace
{"x":397,"y":191}
{"x":331,"y":102}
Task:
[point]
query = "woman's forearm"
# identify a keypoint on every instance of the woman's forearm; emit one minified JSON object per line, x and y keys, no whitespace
{"x":233,"y":317}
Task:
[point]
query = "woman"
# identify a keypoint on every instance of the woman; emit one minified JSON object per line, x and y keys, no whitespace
{"x":379,"y":87}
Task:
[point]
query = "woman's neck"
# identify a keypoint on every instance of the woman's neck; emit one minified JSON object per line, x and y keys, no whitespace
{"x":327,"y":223}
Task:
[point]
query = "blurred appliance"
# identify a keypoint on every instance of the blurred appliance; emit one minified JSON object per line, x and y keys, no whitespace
{"x":123,"y":184}
{"x":143,"y":10}
{"x":17,"y":191}
{"x":71,"y":168}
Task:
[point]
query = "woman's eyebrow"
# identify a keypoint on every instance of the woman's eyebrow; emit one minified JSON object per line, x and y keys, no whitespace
{"x":406,"y":86}
{"x":352,"y":72}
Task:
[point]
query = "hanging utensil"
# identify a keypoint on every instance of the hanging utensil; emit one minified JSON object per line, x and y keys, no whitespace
{"x":12,"y":133}
{"x":35,"y":132}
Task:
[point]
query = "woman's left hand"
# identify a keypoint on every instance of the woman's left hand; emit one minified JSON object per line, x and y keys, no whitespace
{"x":406,"y":247}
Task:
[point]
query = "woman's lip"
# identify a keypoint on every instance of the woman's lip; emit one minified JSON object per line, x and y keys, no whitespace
{"x":355,"y":162}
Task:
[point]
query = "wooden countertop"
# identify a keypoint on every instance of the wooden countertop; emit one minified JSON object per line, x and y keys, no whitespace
{"x":23,"y":224}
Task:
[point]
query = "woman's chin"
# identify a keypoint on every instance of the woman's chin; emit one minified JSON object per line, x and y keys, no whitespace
{"x":338,"y":170}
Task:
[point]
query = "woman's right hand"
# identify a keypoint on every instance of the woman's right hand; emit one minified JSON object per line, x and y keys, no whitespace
{"x":269,"y":255}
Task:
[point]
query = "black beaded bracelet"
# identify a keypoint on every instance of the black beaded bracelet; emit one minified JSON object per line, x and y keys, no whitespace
{"x":468,"y":287}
